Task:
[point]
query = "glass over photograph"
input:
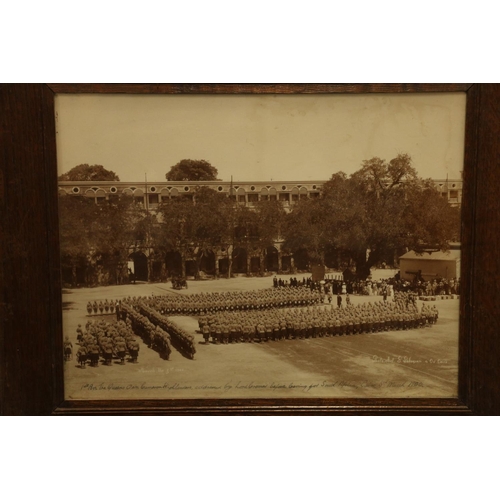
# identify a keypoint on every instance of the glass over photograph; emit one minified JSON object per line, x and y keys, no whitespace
{"x":260,"y":246}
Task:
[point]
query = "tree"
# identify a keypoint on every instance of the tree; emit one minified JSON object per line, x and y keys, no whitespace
{"x":306,"y":229}
{"x":192,"y":170}
{"x":194,"y":228}
{"x":270,"y":219}
{"x":118,"y":224}
{"x":210,"y":227}
{"x":86,"y":172}
{"x":97,"y":235}
{"x":380,"y":210}
{"x":75,"y":219}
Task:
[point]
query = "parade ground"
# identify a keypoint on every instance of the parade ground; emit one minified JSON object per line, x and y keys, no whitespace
{"x":412,"y":363}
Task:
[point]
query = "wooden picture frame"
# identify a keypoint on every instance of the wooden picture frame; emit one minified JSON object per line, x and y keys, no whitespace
{"x":31,"y":306}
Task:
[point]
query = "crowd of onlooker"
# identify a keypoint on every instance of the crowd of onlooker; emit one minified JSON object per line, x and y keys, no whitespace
{"x":381,"y":287}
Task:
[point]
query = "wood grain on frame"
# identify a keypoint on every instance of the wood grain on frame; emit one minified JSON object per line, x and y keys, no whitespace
{"x":30,"y":312}
{"x":252,"y":88}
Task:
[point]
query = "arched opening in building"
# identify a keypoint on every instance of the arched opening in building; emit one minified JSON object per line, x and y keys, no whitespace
{"x":207,"y":262}
{"x":239,"y":260}
{"x":301,"y":260}
{"x":254,"y":264}
{"x":140,"y":266}
{"x":223,"y":266}
{"x":139,"y":197}
{"x":190,"y":267}
{"x":272,"y":262}
{"x":241,"y":196}
{"x":157,"y":266}
{"x":286,"y":263}
{"x":173,"y":261}
{"x":156,"y":270}
{"x":164,"y":195}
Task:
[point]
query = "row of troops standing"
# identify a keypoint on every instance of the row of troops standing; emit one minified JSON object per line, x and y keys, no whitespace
{"x":152,"y":335}
{"x":263,"y":326}
{"x":203,"y":303}
{"x":157,"y":331}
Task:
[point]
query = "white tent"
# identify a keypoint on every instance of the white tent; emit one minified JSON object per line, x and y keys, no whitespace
{"x":432,"y":265}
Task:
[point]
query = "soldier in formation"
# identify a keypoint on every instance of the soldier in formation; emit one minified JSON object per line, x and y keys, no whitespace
{"x":204,"y":303}
{"x":145,"y":320}
{"x":313,"y":322}
{"x":106,"y":340}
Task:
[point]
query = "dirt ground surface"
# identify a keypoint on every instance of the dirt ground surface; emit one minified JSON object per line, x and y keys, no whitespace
{"x":412,"y":363}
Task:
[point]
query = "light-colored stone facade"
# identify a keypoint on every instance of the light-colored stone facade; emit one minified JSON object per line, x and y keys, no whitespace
{"x":152,"y":193}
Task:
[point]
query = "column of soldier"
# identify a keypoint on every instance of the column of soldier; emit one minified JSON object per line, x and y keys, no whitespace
{"x":203,"y":303}
{"x":105,"y":340}
{"x":311,"y":322}
{"x":152,"y":335}
{"x":180,"y":338}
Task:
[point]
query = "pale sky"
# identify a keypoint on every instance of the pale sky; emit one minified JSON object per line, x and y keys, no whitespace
{"x":278,"y":137}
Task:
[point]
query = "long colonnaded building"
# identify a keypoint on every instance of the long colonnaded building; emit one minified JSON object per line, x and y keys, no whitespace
{"x":248,"y":193}
{"x":151,"y":194}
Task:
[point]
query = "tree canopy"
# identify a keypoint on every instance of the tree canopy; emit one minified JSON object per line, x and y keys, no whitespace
{"x":97,"y":232}
{"x":192,"y":170}
{"x":374,"y":215}
{"x":86,"y":172}
{"x":381,"y":210}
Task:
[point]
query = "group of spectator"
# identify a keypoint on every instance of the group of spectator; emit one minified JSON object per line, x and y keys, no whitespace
{"x":380,"y":287}
{"x":335,"y":286}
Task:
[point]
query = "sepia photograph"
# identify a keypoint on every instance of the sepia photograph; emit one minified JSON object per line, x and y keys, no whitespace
{"x":260,"y":246}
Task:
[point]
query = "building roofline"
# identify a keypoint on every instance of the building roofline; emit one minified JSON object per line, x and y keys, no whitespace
{"x":209,"y":183}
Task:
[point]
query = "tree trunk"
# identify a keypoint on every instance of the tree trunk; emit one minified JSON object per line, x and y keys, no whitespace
{"x":183,"y":266}
{"x":229,"y":262}
{"x":249,"y":263}
{"x":364,"y":265}
{"x":197,"y":260}
{"x":163,"y":271}
{"x":150,"y":268}
{"x":73,"y":274}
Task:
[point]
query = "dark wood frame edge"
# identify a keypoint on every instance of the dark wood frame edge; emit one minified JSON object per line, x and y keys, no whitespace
{"x":265,"y":88}
{"x":37,"y":145}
